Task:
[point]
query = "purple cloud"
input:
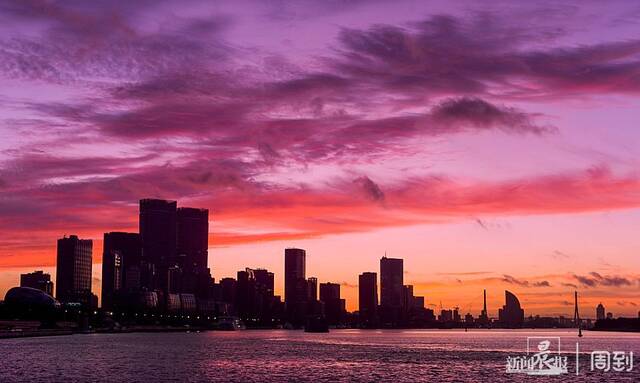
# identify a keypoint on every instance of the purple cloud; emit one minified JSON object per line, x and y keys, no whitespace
{"x":448,"y":55}
{"x":371,"y":189}
{"x":595,"y":279}
{"x":480,"y":114}
{"x":514,"y":281}
{"x":165,"y":105}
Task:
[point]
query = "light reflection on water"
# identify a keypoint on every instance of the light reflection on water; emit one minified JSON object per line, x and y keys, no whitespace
{"x":342,"y":355}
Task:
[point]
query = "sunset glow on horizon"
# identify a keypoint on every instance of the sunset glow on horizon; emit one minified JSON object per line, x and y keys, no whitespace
{"x":490,"y":147}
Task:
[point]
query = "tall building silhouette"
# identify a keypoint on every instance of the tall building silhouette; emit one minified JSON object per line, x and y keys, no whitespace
{"x":295,"y":285}
{"x":265,"y":301}
{"x":192,"y":244}
{"x":329,"y":291}
{"x":484,"y":316}
{"x":158,"y":234}
{"x":121,"y":258}
{"x":368,"y":298}
{"x":245,"y":295}
{"x":265,"y":279}
{"x":312,"y":289}
{"x":73,"y":270}
{"x":407,"y":297}
{"x":391,"y":312}
{"x":192,"y":237}
{"x":228,"y":290}
{"x":334,"y":306}
{"x":600,"y":312}
{"x":175,"y":278}
{"x":254,"y":299}
{"x":37,"y":280}
{"x":313,"y":306}
{"x":511,"y":314}
{"x":418,"y":302}
{"x":391,"y":282}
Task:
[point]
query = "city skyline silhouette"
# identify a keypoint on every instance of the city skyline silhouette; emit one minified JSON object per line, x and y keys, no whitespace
{"x":487,"y":148}
{"x":169,"y":258}
{"x":319,"y":191}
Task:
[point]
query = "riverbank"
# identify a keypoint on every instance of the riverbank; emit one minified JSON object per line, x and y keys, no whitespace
{"x":152,"y":329}
{"x":34,"y":333}
{"x":37,"y":332}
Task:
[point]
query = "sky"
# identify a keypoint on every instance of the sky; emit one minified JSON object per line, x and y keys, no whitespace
{"x":489,"y":145}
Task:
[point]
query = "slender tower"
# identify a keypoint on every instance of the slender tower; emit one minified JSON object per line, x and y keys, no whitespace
{"x":576,"y":315}
{"x":484,"y":317}
{"x":484,"y":306}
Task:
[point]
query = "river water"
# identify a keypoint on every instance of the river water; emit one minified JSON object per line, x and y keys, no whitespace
{"x":280,"y":355}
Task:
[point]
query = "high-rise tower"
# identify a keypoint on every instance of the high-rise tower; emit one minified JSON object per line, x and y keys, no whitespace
{"x":192,"y":245}
{"x":391,"y":282}
{"x":600,"y":312}
{"x":158,"y":234}
{"x":73,"y":270}
{"x":296,"y":287}
{"x":368,"y":298}
{"x":192,"y":240}
{"x":295,"y":284}
{"x":120,"y":266}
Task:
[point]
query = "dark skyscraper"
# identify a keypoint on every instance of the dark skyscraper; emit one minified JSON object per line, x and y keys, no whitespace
{"x":368,"y":297}
{"x":329,"y":291}
{"x":391,"y":291}
{"x":158,"y":234}
{"x":295,"y":283}
{"x":120,"y":265}
{"x":391,"y":282}
{"x":37,"y":280}
{"x":192,"y":250}
{"x":228,"y":290}
{"x":312,"y":289}
{"x":407,"y":297}
{"x":265,"y":279}
{"x":254,"y":296}
{"x":73,"y":270}
{"x":418,"y":303}
{"x":333,"y":305}
{"x":246,"y":295}
{"x":600,"y":312}
{"x":174,"y":280}
{"x":511,"y":314}
{"x":313,"y":305}
{"x":193,"y":237}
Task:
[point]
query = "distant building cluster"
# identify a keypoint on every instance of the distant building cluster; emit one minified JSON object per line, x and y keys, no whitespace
{"x":164,"y":267}
{"x":162,"y":272}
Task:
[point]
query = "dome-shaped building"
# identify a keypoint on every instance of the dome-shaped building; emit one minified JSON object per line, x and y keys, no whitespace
{"x":27,"y":302}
